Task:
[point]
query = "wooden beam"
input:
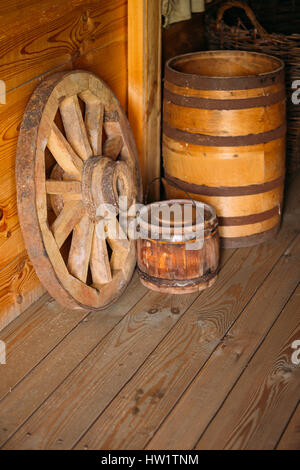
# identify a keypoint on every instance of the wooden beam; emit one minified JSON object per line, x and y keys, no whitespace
{"x":144,"y":86}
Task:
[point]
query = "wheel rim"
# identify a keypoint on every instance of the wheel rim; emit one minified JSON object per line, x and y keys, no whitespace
{"x":76,"y":152}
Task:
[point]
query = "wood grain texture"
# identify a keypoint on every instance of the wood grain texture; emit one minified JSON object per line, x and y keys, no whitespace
{"x":11,"y":116}
{"x":58,"y":35}
{"x":221,"y":94}
{"x":144,"y":85}
{"x":212,"y":166}
{"x":82,"y":36}
{"x":260,"y":405}
{"x":99,"y":176}
{"x":19,"y":288}
{"x":141,"y":387}
{"x":224,"y":206}
{"x":291,"y":437}
{"x":239,"y":206}
{"x":80,"y":333}
{"x":114,"y":73}
{"x":206,"y":393}
{"x":89,"y":388}
{"x":213,"y":143}
{"x":43,"y":326}
{"x":224,"y":123}
{"x":135,"y":71}
{"x":11,"y":241}
{"x":181,"y":258}
{"x":148,"y":398}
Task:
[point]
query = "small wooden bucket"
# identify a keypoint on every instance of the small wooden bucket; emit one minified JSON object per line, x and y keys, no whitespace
{"x":180,"y":254}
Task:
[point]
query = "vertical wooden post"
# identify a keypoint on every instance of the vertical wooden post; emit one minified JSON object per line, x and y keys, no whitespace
{"x":144,"y":86}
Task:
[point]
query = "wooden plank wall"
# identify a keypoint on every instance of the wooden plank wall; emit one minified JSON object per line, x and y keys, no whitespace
{"x":144,"y":87}
{"x":39,"y":37}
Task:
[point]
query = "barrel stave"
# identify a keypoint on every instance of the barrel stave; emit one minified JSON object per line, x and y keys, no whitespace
{"x":224,"y":138}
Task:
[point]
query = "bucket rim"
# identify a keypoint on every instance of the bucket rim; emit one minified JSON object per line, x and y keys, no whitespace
{"x":190,"y":230}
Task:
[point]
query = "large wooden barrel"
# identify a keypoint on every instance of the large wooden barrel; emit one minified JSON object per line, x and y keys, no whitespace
{"x":178,"y":253}
{"x":224,"y":139}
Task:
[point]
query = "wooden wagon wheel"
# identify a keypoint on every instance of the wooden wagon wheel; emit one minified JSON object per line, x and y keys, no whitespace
{"x":76,"y":153}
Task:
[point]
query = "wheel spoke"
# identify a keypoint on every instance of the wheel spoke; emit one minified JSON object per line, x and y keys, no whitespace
{"x":116,"y":236}
{"x":113,"y":146}
{"x":63,"y":153}
{"x":94,"y":113}
{"x":68,"y":189}
{"x":66,"y":221}
{"x":113,"y":128}
{"x":99,"y":263}
{"x":74,"y":127}
{"x":80,"y":252}
{"x":119,"y":244}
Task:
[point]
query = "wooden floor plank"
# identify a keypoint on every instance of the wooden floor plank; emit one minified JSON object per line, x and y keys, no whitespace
{"x":45,"y":377}
{"x":196,"y":409}
{"x":28,"y":341}
{"x":260,"y":405}
{"x":150,"y":395}
{"x":291,"y":437}
{"x":62,"y":419}
{"x":101,"y":375}
{"x":60,"y":394}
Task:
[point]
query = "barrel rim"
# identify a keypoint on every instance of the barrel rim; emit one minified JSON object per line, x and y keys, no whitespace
{"x":211,"y":223}
{"x":206,"y":82}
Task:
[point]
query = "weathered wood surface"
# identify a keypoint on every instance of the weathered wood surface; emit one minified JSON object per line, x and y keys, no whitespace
{"x":49,"y":378}
{"x":126,"y":375}
{"x":66,"y":279}
{"x":85,"y":35}
{"x":215,"y":380}
{"x":189,"y":264}
{"x":167,"y":373}
{"x":58,"y":328}
{"x":121,"y":350}
{"x":39,"y":321}
{"x":262,"y":402}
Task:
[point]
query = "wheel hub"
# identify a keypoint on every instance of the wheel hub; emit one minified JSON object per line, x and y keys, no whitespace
{"x":105,"y":182}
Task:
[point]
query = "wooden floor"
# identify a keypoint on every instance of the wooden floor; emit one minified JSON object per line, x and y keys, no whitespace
{"x":212,"y":371}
